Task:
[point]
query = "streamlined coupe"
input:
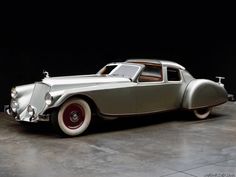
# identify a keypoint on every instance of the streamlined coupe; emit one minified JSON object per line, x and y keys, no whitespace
{"x":133,"y":87}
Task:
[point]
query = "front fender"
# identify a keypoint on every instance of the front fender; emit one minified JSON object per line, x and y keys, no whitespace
{"x":202,"y":93}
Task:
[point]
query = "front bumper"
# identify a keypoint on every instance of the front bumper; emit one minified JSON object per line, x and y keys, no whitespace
{"x":25,"y":116}
{"x":8,"y":110}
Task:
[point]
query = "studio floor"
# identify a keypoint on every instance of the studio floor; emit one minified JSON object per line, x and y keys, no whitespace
{"x":167,"y":144}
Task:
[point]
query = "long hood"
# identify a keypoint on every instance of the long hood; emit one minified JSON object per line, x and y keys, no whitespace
{"x":83,"y":80}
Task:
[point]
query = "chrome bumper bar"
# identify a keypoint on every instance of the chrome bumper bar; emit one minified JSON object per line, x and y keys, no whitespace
{"x":10,"y":112}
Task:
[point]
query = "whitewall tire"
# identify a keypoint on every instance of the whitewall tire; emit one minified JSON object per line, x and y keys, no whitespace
{"x":202,"y":113}
{"x":73,"y":117}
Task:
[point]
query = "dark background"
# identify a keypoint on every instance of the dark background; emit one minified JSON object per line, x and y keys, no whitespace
{"x":207,"y":48}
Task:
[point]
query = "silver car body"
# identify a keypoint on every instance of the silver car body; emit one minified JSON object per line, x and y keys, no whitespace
{"x":119,"y":92}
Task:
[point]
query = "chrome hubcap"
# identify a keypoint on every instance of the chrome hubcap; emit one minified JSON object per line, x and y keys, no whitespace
{"x":74,"y":116}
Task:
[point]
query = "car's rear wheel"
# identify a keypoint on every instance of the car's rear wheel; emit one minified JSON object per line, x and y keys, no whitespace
{"x":202,"y":113}
{"x":73,"y":118}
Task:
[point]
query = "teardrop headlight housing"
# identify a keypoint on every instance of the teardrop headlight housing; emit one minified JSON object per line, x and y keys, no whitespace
{"x":48,"y":99}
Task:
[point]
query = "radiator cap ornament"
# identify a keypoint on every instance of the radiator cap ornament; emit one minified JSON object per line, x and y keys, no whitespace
{"x":46,"y":74}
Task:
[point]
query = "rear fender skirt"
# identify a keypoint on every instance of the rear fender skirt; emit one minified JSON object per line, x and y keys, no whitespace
{"x":202,"y":93}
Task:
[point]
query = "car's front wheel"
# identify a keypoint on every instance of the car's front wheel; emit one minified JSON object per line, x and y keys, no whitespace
{"x":73,"y":118}
{"x":202,"y":113}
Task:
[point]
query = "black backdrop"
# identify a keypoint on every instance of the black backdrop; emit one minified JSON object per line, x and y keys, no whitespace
{"x":25,"y":53}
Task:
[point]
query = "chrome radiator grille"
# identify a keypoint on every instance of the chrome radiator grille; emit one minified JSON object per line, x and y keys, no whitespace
{"x":37,"y":98}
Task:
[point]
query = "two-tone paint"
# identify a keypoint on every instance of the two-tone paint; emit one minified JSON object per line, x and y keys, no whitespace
{"x":116,"y":95}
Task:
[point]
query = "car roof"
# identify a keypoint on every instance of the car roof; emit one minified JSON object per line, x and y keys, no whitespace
{"x":157,"y":62}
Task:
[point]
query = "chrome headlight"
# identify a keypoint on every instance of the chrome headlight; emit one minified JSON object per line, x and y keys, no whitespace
{"x":13,"y":93}
{"x":14,"y":106}
{"x":48,"y":98}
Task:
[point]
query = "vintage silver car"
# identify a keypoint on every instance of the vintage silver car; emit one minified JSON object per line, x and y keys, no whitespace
{"x":133,"y":87}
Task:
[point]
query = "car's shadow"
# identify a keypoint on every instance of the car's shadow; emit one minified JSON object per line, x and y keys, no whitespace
{"x":133,"y":122}
{"x":125,"y":123}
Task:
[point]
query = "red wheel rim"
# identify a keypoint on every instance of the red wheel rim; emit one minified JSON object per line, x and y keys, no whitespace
{"x":73,"y":116}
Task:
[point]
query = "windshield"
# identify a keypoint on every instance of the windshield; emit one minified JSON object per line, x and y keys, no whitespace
{"x":121,"y":70}
{"x":127,"y":71}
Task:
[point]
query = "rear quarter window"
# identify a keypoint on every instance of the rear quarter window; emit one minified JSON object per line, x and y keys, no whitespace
{"x":173,"y":74}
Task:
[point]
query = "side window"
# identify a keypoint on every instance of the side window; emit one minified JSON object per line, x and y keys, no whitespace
{"x":151,"y":73}
{"x":173,"y":74}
